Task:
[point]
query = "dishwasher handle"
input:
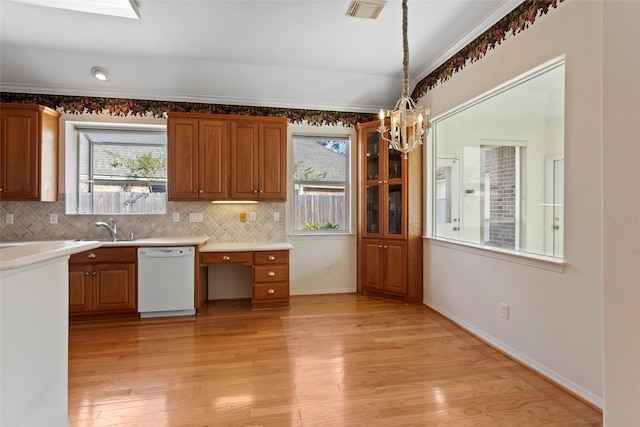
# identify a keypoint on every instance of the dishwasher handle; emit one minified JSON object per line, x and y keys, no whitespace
{"x":164,"y":252}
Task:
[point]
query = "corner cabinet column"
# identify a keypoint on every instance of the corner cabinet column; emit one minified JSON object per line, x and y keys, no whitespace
{"x":389,"y":219}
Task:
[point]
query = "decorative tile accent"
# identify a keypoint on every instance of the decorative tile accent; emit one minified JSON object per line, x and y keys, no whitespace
{"x":221,"y":222}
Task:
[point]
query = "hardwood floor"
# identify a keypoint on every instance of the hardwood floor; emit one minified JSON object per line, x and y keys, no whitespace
{"x":338,"y":360}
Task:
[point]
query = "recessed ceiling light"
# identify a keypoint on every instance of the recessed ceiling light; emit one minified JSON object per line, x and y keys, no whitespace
{"x":100,"y":74}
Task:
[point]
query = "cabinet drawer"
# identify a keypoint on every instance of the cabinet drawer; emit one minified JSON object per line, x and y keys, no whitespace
{"x":271,"y":257}
{"x":270,"y":273}
{"x":225,"y":257}
{"x":120,"y":254}
{"x":270,"y":291}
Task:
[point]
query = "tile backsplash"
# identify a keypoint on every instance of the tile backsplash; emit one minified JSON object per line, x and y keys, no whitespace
{"x":221,"y":222}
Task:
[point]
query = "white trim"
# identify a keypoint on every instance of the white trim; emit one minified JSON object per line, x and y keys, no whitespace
{"x":479,"y":29}
{"x":181,"y":97}
{"x":531,"y":260}
{"x":521,"y":358}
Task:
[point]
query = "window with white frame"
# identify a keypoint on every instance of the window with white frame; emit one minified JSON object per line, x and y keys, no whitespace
{"x":321,"y":184}
{"x":121,"y":170}
{"x":498,"y":167}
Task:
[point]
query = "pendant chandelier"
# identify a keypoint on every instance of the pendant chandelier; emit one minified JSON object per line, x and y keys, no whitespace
{"x":409,"y":122}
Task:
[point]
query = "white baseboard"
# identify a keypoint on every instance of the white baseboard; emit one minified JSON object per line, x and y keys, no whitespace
{"x":323,"y":291}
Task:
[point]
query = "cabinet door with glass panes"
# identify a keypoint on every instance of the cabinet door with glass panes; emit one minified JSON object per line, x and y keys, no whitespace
{"x":383,"y":189}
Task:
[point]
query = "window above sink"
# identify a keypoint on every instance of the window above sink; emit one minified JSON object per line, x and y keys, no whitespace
{"x":116,"y":168}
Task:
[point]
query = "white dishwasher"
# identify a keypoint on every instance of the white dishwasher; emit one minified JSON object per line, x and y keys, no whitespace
{"x":166,"y":281}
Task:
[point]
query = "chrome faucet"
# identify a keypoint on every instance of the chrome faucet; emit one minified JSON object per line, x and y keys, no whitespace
{"x":113,"y":229}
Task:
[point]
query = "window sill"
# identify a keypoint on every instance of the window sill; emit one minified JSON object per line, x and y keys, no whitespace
{"x":531,"y":260}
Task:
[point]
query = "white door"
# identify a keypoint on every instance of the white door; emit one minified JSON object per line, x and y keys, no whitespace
{"x":554,"y":235}
{"x":558,"y":208}
{"x":447,"y":198}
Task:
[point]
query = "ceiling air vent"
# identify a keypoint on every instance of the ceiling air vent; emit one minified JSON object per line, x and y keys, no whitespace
{"x":365,"y":9}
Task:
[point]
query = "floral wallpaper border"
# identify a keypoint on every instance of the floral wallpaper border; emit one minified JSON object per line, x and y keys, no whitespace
{"x":519,"y":19}
{"x":144,"y":108}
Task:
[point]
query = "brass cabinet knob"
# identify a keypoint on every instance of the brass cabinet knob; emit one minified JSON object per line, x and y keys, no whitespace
{"x":195,"y":191}
{"x":456,"y":228}
{"x":94,"y":273}
{"x":86,"y":273}
{"x":202,"y":191}
{"x":556,"y":227}
{"x":386,"y":247}
{"x":271,"y":292}
{"x":271,"y":274}
{"x":226,"y":258}
{"x":271,"y":258}
{"x":380,"y":246}
{"x":91,"y":255}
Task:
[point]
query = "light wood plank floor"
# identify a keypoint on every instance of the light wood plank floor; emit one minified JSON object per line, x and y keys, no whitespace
{"x":338,"y":360}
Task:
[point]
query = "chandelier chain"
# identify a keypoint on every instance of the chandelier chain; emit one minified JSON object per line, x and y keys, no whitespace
{"x":405,"y":50}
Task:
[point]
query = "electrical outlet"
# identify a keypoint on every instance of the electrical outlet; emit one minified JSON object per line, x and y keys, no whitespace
{"x":504,"y":311}
{"x":195,"y":217}
{"x":9,"y":218}
{"x":53,"y":218}
{"x":252,"y":216}
{"x":176,"y":217}
{"x":276,"y":217}
{"x":327,"y":269}
{"x":243,"y":217}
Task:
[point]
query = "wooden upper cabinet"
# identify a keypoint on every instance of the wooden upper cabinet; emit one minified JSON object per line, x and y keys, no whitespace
{"x":214,"y":157}
{"x":28,"y":152}
{"x":182,"y":159}
{"x":244,"y":160}
{"x":272,"y":153}
{"x":258,"y":161}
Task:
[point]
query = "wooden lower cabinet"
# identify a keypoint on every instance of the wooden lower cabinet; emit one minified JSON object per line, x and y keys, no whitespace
{"x":384,"y":268}
{"x":103,"y":281}
{"x":270,"y":277}
{"x":269,"y":274}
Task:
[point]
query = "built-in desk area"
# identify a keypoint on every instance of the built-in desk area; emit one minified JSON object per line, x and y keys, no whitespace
{"x":269,"y":264}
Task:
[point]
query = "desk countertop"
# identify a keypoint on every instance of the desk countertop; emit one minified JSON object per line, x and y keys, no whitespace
{"x":246,"y":246}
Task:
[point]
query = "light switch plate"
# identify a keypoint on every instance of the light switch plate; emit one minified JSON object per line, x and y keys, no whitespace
{"x":176,"y":217}
{"x":252,"y":216}
{"x":195,"y":217}
{"x":276,"y":217}
{"x":9,"y":218}
{"x":53,"y":218}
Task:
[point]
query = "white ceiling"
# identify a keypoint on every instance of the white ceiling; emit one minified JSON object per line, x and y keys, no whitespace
{"x":288,"y":53}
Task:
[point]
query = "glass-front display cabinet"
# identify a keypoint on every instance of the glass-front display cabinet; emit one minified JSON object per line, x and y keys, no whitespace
{"x":384,"y":194}
{"x":389,"y":219}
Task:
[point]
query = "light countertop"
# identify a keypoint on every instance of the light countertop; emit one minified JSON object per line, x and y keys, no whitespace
{"x":26,"y":254}
{"x":246,"y":246}
{"x":22,"y":254}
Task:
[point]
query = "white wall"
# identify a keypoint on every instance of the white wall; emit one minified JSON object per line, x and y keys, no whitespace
{"x":311,"y":254}
{"x":556,"y":317}
{"x":621,"y":213}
